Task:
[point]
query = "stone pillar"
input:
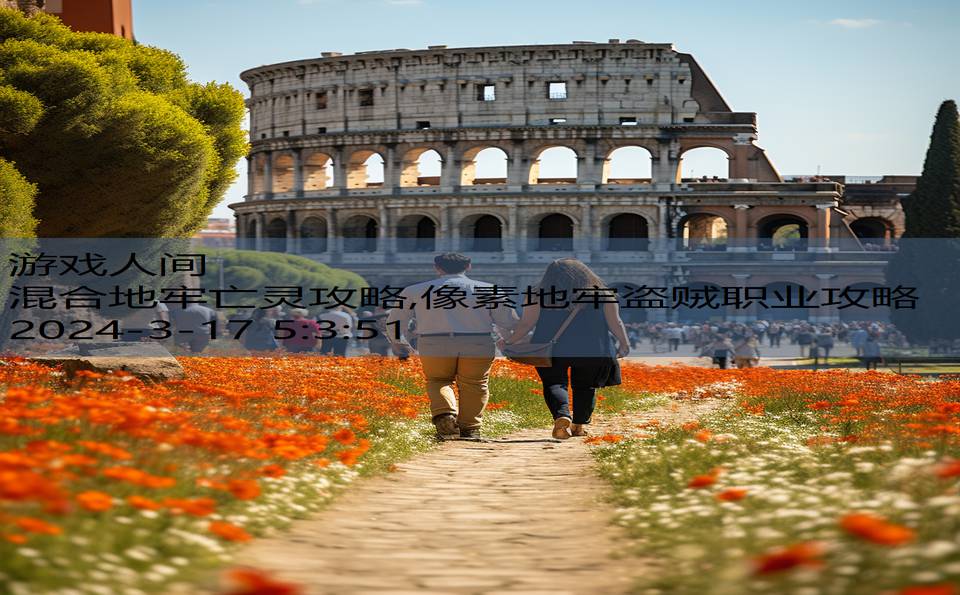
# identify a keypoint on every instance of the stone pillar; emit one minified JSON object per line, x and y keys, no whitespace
{"x":666,"y":170}
{"x":261,"y":229}
{"x":819,"y":240}
{"x":339,"y":169}
{"x":661,"y":245}
{"x":581,"y":236}
{"x":251,"y":175}
{"x":268,"y":175}
{"x":334,"y":241}
{"x":385,"y":243}
{"x":739,"y":240}
{"x":450,"y":173}
{"x":590,"y":168}
{"x":515,"y":240}
{"x":517,"y":174}
{"x":293,"y":235}
{"x":391,"y":169}
{"x":298,"y":173}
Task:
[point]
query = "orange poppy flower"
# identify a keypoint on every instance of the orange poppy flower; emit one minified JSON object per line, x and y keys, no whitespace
{"x":95,"y":501}
{"x":876,"y":529}
{"x":229,"y":531}
{"x":785,"y":558}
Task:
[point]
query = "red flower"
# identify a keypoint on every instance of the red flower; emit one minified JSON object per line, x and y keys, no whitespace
{"x":800,"y":554}
{"x":95,"y":501}
{"x":229,"y":531}
{"x":876,"y":529}
{"x":249,"y":581}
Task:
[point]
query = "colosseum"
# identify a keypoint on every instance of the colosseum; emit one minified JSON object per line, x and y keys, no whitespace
{"x":375,"y":161}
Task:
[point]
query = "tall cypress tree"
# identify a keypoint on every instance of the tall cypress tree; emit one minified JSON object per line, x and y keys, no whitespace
{"x":929,"y":256}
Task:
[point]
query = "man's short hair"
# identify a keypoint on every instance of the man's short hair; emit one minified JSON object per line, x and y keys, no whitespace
{"x":452,"y":262}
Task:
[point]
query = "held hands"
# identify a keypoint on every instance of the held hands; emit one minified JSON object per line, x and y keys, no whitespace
{"x":623,"y":350}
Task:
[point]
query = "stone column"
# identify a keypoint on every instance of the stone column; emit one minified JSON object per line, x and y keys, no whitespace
{"x":334,"y":243}
{"x":298,"y":173}
{"x":385,"y":243}
{"x":391,"y":169}
{"x":293,"y":235}
{"x":339,"y":169}
{"x":741,"y":281}
{"x":268,"y":175}
{"x":581,"y":236}
{"x":661,"y":245}
{"x":261,"y":229}
{"x":739,"y":240}
{"x":449,"y":175}
{"x":590,"y":171}
{"x":251,"y":175}
{"x":514,"y":242}
{"x":517,"y":174}
{"x":819,"y":241}
{"x":828,"y":314}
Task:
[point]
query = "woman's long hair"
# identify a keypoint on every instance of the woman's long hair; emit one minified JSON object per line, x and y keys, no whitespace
{"x":568,"y":275}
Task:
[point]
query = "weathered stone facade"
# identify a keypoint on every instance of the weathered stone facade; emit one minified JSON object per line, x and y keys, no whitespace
{"x":315,"y":124}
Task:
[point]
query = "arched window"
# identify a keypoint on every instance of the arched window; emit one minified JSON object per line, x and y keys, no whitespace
{"x":782,"y":233}
{"x":627,"y":232}
{"x":555,"y":233}
{"x":313,"y":235}
{"x":628,"y":165}
{"x":421,"y":167}
{"x":416,"y":233}
{"x":276,"y":235}
{"x":555,"y":165}
{"x":485,"y":234}
{"x":704,"y":164}
{"x":484,"y":165}
{"x":249,"y":239}
{"x":703,"y":232}
{"x":360,"y":234}
{"x":874,"y":233}
{"x":317,"y":172}
{"x":365,"y":170}
{"x":283,"y":166}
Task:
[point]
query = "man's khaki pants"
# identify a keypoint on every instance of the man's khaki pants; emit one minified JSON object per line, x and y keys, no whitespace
{"x":461,"y":360}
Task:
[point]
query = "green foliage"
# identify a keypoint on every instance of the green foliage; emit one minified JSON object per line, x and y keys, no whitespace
{"x":116,"y":139}
{"x":929,"y":255}
{"x":247,"y":269}
{"x":16,"y":203}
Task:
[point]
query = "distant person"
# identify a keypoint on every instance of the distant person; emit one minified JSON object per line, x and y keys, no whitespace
{"x":746,"y":353}
{"x":858,"y":338}
{"x":341,"y":322}
{"x":774,"y":334}
{"x":192,"y":326}
{"x":805,"y":341}
{"x":720,"y":350}
{"x":374,"y":319}
{"x":306,"y":332}
{"x":871,"y":352}
{"x":824,"y":342}
{"x":260,"y":335}
{"x":674,"y":335}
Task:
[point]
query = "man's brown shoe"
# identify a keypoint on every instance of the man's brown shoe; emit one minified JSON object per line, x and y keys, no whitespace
{"x":446,"y":425}
{"x":561,"y":428}
{"x":579,"y":430}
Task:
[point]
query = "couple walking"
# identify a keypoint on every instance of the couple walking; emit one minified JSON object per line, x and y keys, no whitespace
{"x":457,"y":345}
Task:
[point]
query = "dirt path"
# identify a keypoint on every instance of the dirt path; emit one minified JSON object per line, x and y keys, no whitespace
{"x":525,"y":515}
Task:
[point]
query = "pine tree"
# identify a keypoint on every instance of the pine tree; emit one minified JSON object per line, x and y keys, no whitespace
{"x":929,"y":255}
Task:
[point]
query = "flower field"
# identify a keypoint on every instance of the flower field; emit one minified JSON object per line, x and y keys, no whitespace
{"x":797,"y":482}
{"x":125,"y":487}
{"x":792,"y":482}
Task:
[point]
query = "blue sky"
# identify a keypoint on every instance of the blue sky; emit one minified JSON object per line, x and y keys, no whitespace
{"x":848,"y":86}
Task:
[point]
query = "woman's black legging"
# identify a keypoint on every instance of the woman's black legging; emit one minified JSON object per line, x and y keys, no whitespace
{"x":582,"y":378}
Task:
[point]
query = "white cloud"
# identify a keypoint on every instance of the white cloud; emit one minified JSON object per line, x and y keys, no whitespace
{"x":855,"y":23}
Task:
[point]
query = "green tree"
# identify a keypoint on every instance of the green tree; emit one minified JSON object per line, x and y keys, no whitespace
{"x":118,"y":142}
{"x":929,"y":255}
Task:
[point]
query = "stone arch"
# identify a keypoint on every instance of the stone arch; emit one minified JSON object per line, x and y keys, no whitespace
{"x":318,"y":171}
{"x":783,"y":232}
{"x":421,"y":166}
{"x":416,"y":233}
{"x":627,"y":232}
{"x":276,"y":235}
{"x":284,"y":166}
{"x":360,"y":234}
{"x":561,"y":162}
{"x":873,"y":231}
{"x":365,"y":169}
{"x":313,"y":235}
{"x":482,"y":233}
{"x":703,"y":231}
{"x":248,"y":233}
{"x":259,"y":166}
{"x":704,"y":163}
{"x":554,"y":233}
{"x":484,"y":164}
{"x":628,"y":164}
